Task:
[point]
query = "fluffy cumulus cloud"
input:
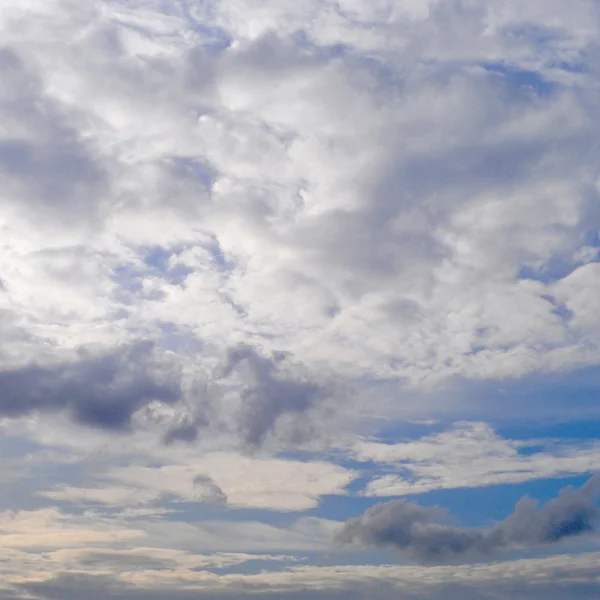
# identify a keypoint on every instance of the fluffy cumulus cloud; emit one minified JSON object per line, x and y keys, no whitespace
{"x":263,"y":263}
{"x":420,"y":532}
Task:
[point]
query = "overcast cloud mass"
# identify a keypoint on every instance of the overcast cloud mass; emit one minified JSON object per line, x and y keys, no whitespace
{"x":298,"y":299}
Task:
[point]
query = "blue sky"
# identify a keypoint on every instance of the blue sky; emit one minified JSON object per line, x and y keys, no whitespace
{"x":298,"y":299}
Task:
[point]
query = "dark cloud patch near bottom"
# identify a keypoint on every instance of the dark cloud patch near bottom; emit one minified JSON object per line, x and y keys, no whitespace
{"x":99,"y":390}
{"x":422,"y":534}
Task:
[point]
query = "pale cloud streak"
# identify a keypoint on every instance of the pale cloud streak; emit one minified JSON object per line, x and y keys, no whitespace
{"x":268,"y":483}
{"x":472,"y":455}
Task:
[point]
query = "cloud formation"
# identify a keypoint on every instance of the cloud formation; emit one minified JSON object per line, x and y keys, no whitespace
{"x":239,"y":481}
{"x":471,"y":455}
{"x":533,"y":579}
{"x":266,"y":395}
{"x":209,"y":490}
{"x":200,"y":185}
{"x":421,"y":533}
{"x":105,"y":387}
{"x":255,"y":398}
{"x":101,"y":390}
{"x":236,"y":230}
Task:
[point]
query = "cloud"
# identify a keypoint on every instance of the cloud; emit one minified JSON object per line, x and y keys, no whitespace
{"x":421,"y":533}
{"x":354,"y":203}
{"x":471,"y":455}
{"x":93,"y":541}
{"x":267,"y":396}
{"x":391,"y":239}
{"x":106,"y":388}
{"x":49,"y":528}
{"x":142,"y":560}
{"x":257,"y":398}
{"x":533,"y":579}
{"x":210,"y":491}
{"x":574,"y":512}
{"x":237,"y":480}
{"x":102,"y":390}
{"x":186,"y":432}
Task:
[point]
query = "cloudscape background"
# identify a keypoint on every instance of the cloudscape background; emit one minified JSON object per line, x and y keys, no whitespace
{"x":299,"y":299}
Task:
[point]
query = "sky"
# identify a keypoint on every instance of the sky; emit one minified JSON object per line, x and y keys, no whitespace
{"x":298,"y":299}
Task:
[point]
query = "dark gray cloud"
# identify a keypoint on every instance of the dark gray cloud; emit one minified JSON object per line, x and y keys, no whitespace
{"x":574,"y":512}
{"x":422,"y":533}
{"x":105,"y":389}
{"x":414,"y":529}
{"x":186,"y":432}
{"x":68,"y":586}
{"x":102,"y":390}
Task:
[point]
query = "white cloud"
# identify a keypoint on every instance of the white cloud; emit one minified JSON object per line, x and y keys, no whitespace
{"x":544,"y":570}
{"x":38,"y":544}
{"x":274,"y":484}
{"x":49,"y":528}
{"x":50,"y":531}
{"x":380,"y":239}
{"x":472,"y":455}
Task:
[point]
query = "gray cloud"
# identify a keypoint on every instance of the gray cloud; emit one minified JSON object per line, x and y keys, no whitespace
{"x":105,"y":389}
{"x":574,"y":512}
{"x":266,"y":397}
{"x":422,"y":533}
{"x":101,"y":390}
{"x":117,"y":562}
{"x":53,"y":173}
{"x":414,"y":529}
{"x":270,"y":390}
{"x":209,"y":490}
{"x":186,"y":432}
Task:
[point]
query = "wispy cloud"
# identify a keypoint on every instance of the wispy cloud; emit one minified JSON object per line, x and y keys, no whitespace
{"x":472,"y":455}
